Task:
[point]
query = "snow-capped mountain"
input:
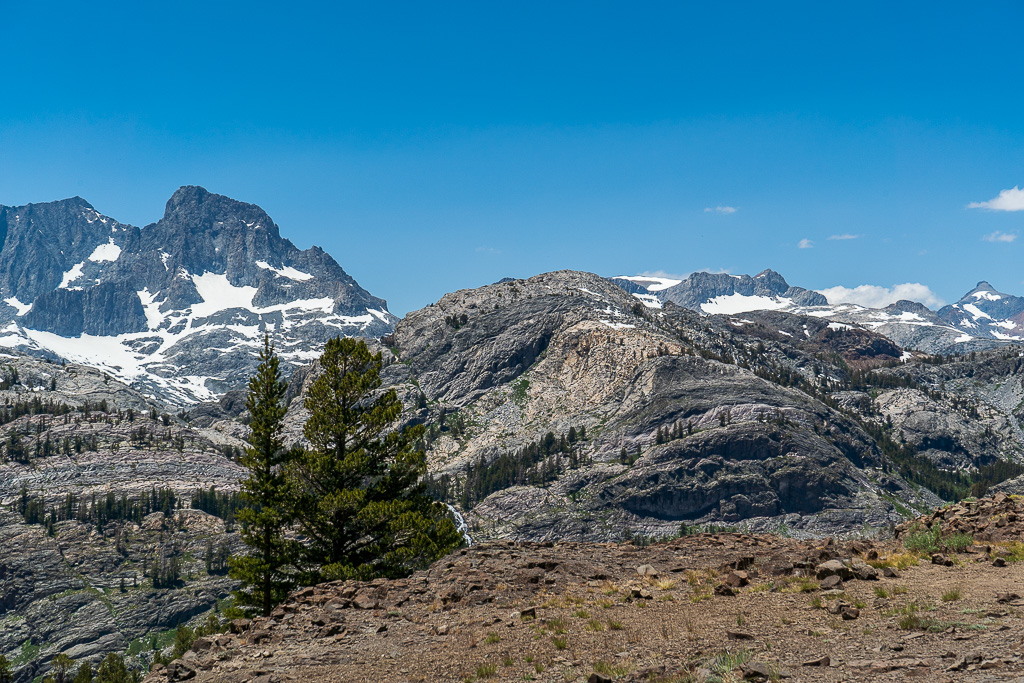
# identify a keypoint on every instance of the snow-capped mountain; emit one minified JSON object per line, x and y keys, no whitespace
{"x":724,"y":293}
{"x":177,"y":308}
{"x":982,"y":319}
{"x":984,"y":312}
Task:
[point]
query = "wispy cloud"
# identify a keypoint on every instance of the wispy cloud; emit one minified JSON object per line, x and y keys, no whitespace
{"x":1008,"y":200}
{"x":721,"y":209}
{"x":874,"y":296}
{"x":805,"y":244}
{"x":487,"y":250}
{"x":998,"y":236}
{"x":663,"y":274}
{"x":844,"y":236}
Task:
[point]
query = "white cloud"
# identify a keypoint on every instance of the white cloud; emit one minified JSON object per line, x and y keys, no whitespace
{"x":721,"y":209}
{"x":1008,"y":200}
{"x":844,"y":236}
{"x":874,"y":296}
{"x":487,"y":250}
{"x":805,"y":244}
{"x":662,"y":274}
{"x":1000,"y":237}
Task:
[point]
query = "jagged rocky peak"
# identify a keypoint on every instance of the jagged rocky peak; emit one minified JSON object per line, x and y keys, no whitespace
{"x":214,"y":272}
{"x":986,"y":312}
{"x":723,"y":292}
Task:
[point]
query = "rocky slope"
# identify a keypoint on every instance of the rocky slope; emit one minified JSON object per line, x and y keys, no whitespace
{"x":84,"y":447}
{"x":177,"y":308}
{"x":687,"y":419}
{"x":701,"y":608}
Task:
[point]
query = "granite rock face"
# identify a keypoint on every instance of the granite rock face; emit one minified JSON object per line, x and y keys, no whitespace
{"x":688,"y":418}
{"x":177,"y":308}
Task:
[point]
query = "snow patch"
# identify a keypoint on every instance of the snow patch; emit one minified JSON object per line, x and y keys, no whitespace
{"x":106,"y":252}
{"x":71,"y":275}
{"x":218,"y":295}
{"x":650,"y":282}
{"x":618,"y":326}
{"x":839,"y":326}
{"x":649,"y":300}
{"x":976,"y":312}
{"x":990,"y":296}
{"x":740,"y":303}
{"x":154,"y":318}
{"x":286,"y":271}
{"x":22,"y":308}
{"x":963,"y":338}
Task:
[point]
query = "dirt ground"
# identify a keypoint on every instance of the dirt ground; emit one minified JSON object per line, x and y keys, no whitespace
{"x":600,"y":612}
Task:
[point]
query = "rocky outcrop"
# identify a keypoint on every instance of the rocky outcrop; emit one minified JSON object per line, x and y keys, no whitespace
{"x":680,"y":426}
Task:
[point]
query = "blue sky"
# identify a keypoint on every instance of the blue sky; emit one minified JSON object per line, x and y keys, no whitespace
{"x":435,"y":146}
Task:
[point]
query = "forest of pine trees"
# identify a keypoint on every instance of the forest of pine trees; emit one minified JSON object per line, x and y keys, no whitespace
{"x":99,"y":510}
{"x":536,"y":464}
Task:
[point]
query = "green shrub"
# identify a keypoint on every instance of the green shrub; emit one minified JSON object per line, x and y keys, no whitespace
{"x":923,"y":541}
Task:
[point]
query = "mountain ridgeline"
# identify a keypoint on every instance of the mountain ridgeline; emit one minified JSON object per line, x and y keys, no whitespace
{"x":179,"y":305}
{"x":767,"y":420}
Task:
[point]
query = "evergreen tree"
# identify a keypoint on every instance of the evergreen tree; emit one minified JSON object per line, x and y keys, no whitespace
{"x":113,"y":670}
{"x":6,"y":674}
{"x":84,"y":674}
{"x":264,"y":573}
{"x":357,"y":489}
{"x":60,"y":668}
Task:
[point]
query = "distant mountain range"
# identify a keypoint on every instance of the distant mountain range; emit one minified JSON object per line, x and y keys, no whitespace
{"x":983,"y":318}
{"x":177,"y":308}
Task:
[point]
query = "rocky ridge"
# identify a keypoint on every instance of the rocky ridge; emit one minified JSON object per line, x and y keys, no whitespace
{"x":982,"y":319}
{"x":177,"y":308}
{"x":689,"y":419}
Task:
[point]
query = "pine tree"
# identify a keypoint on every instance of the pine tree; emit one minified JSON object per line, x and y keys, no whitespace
{"x":84,"y":674}
{"x":113,"y":670}
{"x":60,"y":668}
{"x":264,"y":573}
{"x":357,"y":487}
{"x":6,"y":674}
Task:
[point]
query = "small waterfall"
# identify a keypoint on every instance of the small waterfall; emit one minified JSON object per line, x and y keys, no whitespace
{"x":460,"y":524}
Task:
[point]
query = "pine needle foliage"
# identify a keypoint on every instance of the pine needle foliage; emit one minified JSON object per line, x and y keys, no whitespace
{"x":359,"y":501}
{"x":265,"y":572}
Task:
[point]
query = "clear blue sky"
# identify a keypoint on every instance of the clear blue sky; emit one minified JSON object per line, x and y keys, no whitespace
{"x":435,"y":146}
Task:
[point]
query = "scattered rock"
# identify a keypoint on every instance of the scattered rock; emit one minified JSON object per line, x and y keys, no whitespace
{"x":739,"y":635}
{"x":941,"y":560}
{"x":820,"y":661}
{"x":833,"y":568}
{"x":831,"y":582}
{"x":736,"y":579}
{"x":647,"y":571}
